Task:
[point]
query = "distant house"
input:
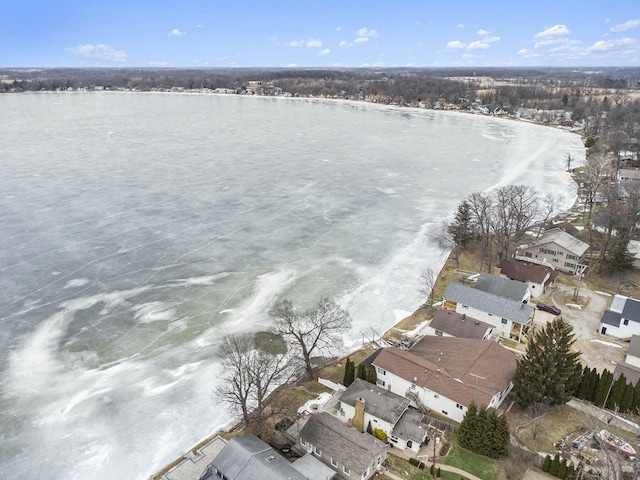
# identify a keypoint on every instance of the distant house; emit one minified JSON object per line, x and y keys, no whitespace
{"x":249,"y":458}
{"x":634,"y":249}
{"x":364,"y":404}
{"x":446,"y":374}
{"x":629,"y":174}
{"x":537,"y":277}
{"x":631,"y":365}
{"x":447,"y":323}
{"x":504,"y":287}
{"x":622,"y":320}
{"x":349,"y":453}
{"x":509,"y":318}
{"x":557,"y":249}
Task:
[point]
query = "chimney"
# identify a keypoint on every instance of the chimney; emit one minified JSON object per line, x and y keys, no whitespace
{"x":358,"y":416}
{"x":497,"y":271}
{"x":464,"y":317}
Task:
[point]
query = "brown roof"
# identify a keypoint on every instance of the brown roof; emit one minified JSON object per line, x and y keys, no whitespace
{"x":526,"y":273}
{"x":445,"y":365}
{"x":459,"y":325}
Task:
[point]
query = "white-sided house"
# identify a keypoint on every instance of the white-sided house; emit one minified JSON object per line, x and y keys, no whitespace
{"x":537,"y":277}
{"x":446,"y":374}
{"x":503,"y":287}
{"x":557,"y":249}
{"x":364,"y":404}
{"x":510,"y":318}
{"x":447,"y":323}
{"x":622,"y":320}
{"x":631,"y":365}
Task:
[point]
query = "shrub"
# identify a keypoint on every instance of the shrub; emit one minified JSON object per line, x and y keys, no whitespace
{"x":381,"y":434}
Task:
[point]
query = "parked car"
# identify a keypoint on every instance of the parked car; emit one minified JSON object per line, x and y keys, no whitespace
{"x":548,"y":308}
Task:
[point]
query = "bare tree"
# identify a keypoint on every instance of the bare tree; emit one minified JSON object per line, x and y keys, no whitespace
{"x":427,"y":284}
{"x":316,"y":331}
{"x":480,"y":206}
{"x":249,"y":375}
{"x":569,"y":160}
{"x":551,"y":204}
{"x":592,"y":179}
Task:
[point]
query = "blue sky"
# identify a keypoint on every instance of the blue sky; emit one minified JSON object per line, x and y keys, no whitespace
{"x":330,"y":33}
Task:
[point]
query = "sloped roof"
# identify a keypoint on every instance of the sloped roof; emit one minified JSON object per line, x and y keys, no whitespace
{"x":247,"y":458}
{"x":378,"y":401}
{"x":487,"y":302}
{"x":502,"y":287}
{"x":339,"y":441}
{"x":458,"y":325}
{"x":311,"y":467}
{"x":527,"y":273}
{"x":410,"y":426}
{"x":562,"y":238}
{"x":631,"y":309}
{"x":611,"y":318}
{"x":621,"y":307}
{"x":447,"y":365}
{"x":631,"y":372}
{"x":634,"y":346}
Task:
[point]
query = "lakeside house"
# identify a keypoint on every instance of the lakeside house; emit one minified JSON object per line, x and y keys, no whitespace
{"x":447,"y":323}
{"x":556,"y":249}
{"x":509,"y":318}
{"x":622,"y":319}
{"x":364,"y":405}
{"x":348,"y":452}
{"x":537,"y":277}
{"x":446,"y":374}
{"x":503,"y":287}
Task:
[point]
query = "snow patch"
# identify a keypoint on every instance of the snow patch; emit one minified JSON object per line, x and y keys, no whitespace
{"x":608,"y":344}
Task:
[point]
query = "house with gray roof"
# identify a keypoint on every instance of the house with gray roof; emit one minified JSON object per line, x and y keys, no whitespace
{"x":446,"y":374}
{"x":248,"y":458}
{"x":350,"y":453}
{"x":622,"y":319}
{"x":631,"y":365}
{"x":557,"y":249}
{"x":509,"y":318}
{"x":364,"y":404}
{"x":537,"y":277}
{"x":503,"y":287}
{"x":447,"y":323}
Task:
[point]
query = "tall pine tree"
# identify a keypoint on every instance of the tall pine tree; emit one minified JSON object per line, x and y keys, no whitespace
{"x":604,"y":386}
{"x":467,"y":429}
{"x":349,"y":372}
{"x":617,"y":392}
{"x":550,"y":372}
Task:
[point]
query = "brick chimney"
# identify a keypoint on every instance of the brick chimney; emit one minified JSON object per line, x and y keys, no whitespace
{"x":358,"y":416}
{"x":497,"y":271}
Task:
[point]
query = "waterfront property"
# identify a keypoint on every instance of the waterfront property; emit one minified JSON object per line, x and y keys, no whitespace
{"x":446,"y":374}
{"x":537,"y":277}
{"x":557,"y":249}
{"x":447,"y":323}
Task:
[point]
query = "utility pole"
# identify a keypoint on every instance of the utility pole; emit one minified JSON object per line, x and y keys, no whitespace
{"x":580,"y":271}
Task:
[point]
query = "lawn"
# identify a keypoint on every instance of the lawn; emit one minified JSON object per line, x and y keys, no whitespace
{"x":404,"y":469}
{"x":478,"y":465}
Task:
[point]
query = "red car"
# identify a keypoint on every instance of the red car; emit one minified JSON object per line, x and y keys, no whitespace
{"x":548,"y":308}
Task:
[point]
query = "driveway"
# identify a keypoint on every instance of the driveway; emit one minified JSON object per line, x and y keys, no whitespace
{"x":599,"y":351}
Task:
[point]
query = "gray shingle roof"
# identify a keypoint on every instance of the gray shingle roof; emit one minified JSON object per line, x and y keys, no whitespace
{"x":458,"y":325}
{"x":611,"y":318}
{"x":311,"y":467}
{"x":631,"y":310}
{"x":378,"y":401}
{"x":248,"y":458}
{"x":502,"y":287}
{"x":343,"y":443}
{"x":566,"y":241}
{"x":634,"y":346}
{"x":487,"y":302}
{"x":410,"y":426}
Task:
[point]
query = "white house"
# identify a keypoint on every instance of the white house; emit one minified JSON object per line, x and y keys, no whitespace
{"x":510,"y":318}
{"x":537,"y":277}
{"x":631,"y":365}
{"x":503,"y":287}
{"x":622,"y":320}
{"x":557,"y":249}
{"x":364,"y":404}
{"x":446,"y":374}
{"x":447,"y":323}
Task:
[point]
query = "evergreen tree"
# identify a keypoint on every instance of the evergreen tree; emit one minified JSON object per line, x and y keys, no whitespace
{"x":461,"y":229}
{"x":372,"y":375}
{"x":549,"y":372}
{"x":369,"y":428}
{"x":362,"y":372}
{"x":603,"y":388}
{"x":546,"y":464}
{"x":468,"y":426}
{"x":585,"y":384}
{"x":595,"y":378}
{"x":349,"y":372}
{"x":562,"y":469}
{"x":480,"y":439}
{"x":619,"y":259}
{"x":635,"y":407}
{"x":571,"y":472}
{"x":615,"y":396}
{"x":627,"y":399}
{"x":555,"y":465}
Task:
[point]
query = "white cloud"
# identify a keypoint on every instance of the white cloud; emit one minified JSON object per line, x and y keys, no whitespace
{"x":313,"y":43}
{"x":460,"y":25}
{"x":552,"y":41}
{"x":603,"y":46}
{"x":455,"y":45}
{"x":523,"y":51}
{"x":483,"y":32}
{"x":361,"y":40}
{"x":99,"y":50}
{"x":553,"y":31}
{"x":477,"y":45}
{"x":491,"y":39}
{"x":157,"y":64}
{"x":176,"y":33}
{"x":326,"y":51}
{"x":365,"y":32}
{"x":291,"y":65}
{"x":344,"y":43}
{"x":628,"y":25}
{"x":296,"y":43}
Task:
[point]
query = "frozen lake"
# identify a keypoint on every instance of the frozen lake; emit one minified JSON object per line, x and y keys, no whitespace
{"x":138,"y":229}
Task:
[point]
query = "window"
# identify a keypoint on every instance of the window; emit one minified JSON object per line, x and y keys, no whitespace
{"x":569,"y":265}
{"x":439,"y":333}
{"x":626,"y":321}
{"x":346,"y":470}
{"x":571,"y":257}
{"x":490,"y":314}
{"x":318,"y":451}
{"x":466,"y":307}
{"x":334,"y":462}
{"x":459,"y":406}
{"x":380,"y":370}
{"x":365,"y":473}
{"x":436,"y":395}
{"x":527,"y":254}
{"x":556,"y":260}
{"x":302,"y":442}
{"x":504,"y":321}
{"x":379,"y":460}
{"x":445,"y":412}
{"x":380,"y":382}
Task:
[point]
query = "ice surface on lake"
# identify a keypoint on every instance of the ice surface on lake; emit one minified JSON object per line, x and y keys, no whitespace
{"x":139,"y":229}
